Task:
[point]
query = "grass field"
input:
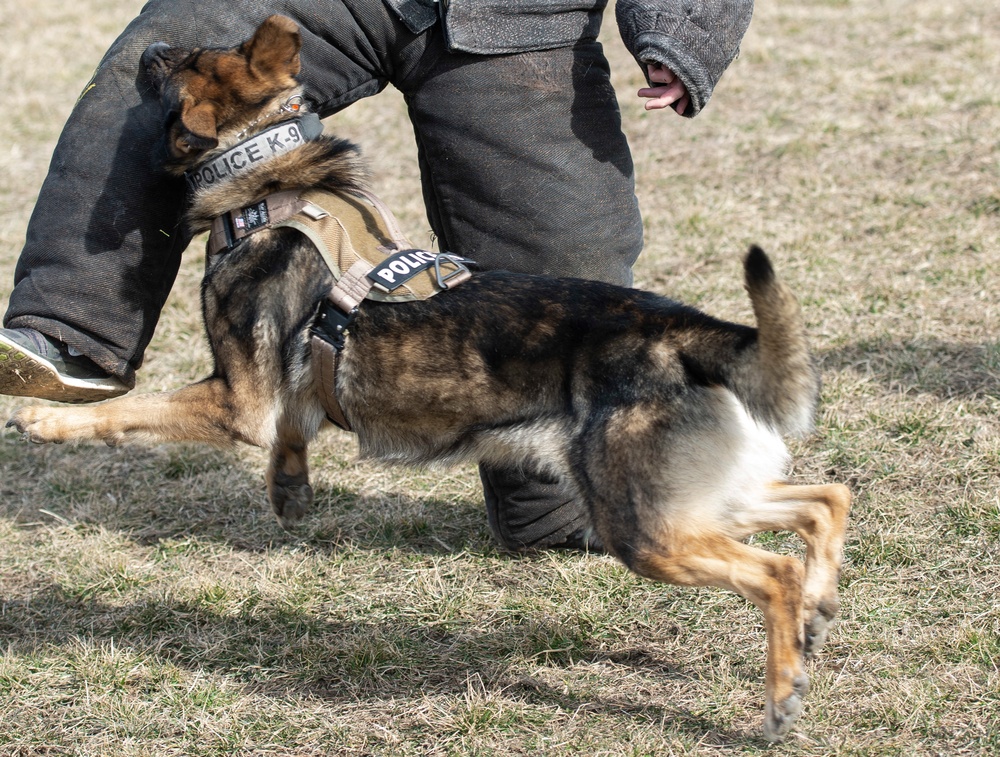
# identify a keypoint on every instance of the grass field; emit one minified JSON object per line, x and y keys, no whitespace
{"x":149,"y":605}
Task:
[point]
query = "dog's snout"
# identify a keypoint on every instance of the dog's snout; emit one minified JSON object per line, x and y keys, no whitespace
{"x":154,"y":55}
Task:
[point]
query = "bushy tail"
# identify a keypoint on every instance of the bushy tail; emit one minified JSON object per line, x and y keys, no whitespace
{"x":784,"y":384}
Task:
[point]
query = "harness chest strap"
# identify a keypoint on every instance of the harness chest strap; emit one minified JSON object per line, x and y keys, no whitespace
{"x":326,"y":361}
{"x":348,"y":293}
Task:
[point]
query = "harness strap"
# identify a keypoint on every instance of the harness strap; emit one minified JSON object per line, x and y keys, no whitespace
{"x":326,"y":360}
{"x":353,"y":286}
{"x":319,"y":216}
{"x":234,"y":225}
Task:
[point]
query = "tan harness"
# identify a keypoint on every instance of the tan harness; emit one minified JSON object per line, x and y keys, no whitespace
{"x":369,"y":257}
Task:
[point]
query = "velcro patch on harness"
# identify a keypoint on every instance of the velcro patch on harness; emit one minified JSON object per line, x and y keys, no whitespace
{"x":252,"y":217}
{"x":399,"y":268}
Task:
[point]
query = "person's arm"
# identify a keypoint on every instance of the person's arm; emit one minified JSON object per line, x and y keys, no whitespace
{"x":683,"y":46}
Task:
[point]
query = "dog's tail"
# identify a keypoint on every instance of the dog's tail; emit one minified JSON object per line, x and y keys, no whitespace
{"x":781,"y":381}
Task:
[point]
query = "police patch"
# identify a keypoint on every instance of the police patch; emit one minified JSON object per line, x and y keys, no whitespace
{"x":274,"y":141}
{"x":397,"y":269}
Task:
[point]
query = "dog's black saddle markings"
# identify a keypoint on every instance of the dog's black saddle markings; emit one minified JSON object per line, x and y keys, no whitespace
{"x":362,"y":245}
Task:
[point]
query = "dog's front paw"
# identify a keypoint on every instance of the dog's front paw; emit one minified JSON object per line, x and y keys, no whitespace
{"x":290,"y":502}
{"x":37,"y":424}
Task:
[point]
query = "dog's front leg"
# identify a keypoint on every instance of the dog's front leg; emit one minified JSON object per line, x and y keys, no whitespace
{"x":288,"y":475}
{"x":208,"y":412}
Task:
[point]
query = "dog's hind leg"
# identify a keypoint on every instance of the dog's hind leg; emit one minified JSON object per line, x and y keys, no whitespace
{"x":288,"y":475}
{"x":772,"y":582}
{"x":818,"y":514}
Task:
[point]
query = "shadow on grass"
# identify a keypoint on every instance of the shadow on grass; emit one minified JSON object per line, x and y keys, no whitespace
{"x":944,"y":369}
{"x":173,"y":492}
{"x":286,"y":653}
{"x":708,"y":732}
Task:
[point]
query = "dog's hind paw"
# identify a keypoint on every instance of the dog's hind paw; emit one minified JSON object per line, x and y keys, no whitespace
{"x":14,"y":424}
{"x":817,"y":627}
{"x":781,"y":715}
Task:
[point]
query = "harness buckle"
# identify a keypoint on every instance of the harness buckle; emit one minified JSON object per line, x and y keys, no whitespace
{"x":332,"y":323}
{"x":229,"y":231}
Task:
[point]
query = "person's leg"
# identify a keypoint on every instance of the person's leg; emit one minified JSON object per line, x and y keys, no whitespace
{"x":524,"y":164}
{"x":104,"y":242}
{"x":525,"y":167}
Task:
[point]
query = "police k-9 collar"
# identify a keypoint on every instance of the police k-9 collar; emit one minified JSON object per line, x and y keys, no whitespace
{"x":248,"y":154}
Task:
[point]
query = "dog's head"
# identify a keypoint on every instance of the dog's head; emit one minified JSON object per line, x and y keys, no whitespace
{"x":214,"y":95}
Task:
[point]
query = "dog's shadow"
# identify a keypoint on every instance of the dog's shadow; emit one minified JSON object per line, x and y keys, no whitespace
{"x":346,"y":659}
{"x":178,"y":492}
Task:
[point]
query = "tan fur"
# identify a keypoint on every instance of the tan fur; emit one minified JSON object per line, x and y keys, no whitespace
{"x":664,"y":421}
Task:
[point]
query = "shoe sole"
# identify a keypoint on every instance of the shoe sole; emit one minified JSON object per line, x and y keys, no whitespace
{"x":25,"y":374}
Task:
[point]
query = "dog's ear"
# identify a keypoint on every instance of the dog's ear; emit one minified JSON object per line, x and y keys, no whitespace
{"x":274,"y":48}
{"x":197,"y":130}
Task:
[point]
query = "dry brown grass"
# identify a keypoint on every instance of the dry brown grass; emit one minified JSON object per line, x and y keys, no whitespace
{"x":150,"y":606}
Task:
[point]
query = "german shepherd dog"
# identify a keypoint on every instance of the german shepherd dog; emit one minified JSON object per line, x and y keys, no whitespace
{"x":665,"y":421}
